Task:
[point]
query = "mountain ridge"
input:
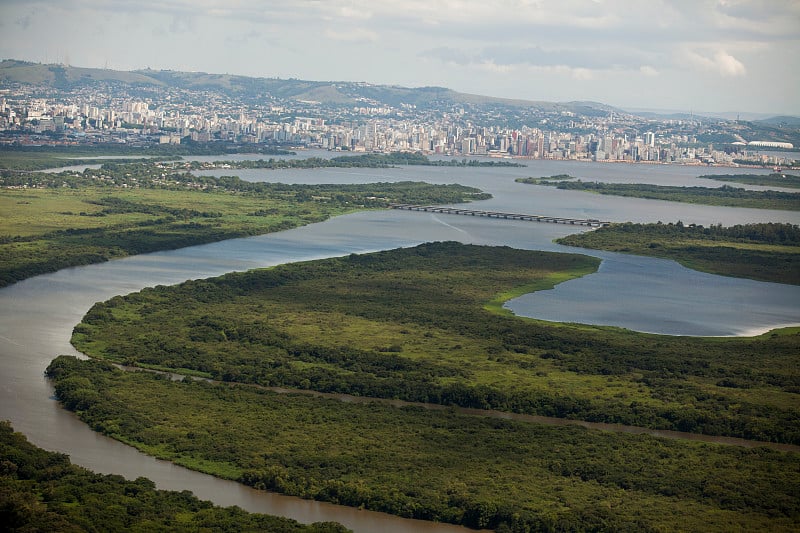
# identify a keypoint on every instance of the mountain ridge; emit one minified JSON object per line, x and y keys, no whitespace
{"x":343,"y":100}
{"x":324,"y":92}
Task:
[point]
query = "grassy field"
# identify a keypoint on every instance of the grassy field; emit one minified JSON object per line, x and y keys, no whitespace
{"x":45,"y":230}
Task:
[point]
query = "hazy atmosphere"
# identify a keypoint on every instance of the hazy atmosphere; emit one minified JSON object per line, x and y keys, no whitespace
{"x":705,"y":55}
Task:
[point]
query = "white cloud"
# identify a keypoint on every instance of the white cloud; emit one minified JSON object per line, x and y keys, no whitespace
{"x":728,"y":65}
{"x":582,"y":74}
{"x":521,"y":69}
{"x":357,"y":35}
{"x":718,"y":61}
{"x":647,"y":70}
{"x":580,"y":64}
{"x":350,"y":12}
{"x":182,"y":24}
{"x":490,"y":66}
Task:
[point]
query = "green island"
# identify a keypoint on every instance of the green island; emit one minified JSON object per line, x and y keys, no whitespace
{"x":352,"y":161}
{"x":52,"y":221}
{"x":426,"y":324}
{"x":43,"y":491}
{"x":726,"y":195}
{"x":33,"y":158}
{"x":769,"y":180}
{"x":765,"y":251}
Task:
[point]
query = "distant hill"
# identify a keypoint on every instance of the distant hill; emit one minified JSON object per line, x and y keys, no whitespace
{"x":669,"y":115}
{"x":782,"y":121}
{"x":63,"y":77}
{"x":323,"y":92}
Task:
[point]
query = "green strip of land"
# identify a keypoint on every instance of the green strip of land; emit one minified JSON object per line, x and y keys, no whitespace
{"x":765,"y":252}
{"x":353,"y":161}
{"x":53,"y":221}
{"x":43,"y":491}
{"x":769,"y":180}
{"x":415,"y":325}
{"x":722,"y":196}
{"x":31,"y":158}
{"x":41,"y":158}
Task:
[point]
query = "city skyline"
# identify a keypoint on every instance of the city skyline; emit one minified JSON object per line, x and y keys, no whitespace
{"x":704,"y":56}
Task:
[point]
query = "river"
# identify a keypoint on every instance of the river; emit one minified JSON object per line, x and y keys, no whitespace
{"x":37,"y":315}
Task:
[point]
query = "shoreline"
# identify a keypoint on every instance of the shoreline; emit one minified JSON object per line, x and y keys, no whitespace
{"x":696,"y":163}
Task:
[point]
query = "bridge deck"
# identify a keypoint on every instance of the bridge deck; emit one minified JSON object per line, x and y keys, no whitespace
{"x":497,"y":214}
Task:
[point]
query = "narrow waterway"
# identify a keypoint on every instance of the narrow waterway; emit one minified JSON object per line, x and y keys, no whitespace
{"x":36,"y":321}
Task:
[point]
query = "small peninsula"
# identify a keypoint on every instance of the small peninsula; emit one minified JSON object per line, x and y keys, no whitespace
{"x":764,"y":252}
{"x":722,"y":196}
{"x":426,"y":324}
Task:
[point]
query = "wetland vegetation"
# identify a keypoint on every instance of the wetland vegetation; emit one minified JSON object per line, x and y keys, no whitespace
{"x":765,"y":252}
{"x":356,"y":161}
{"x":437,"y":465}
{"x":33,"y":158}
{"x":44,"y":491}
{"x":721,"y":196}
{"x":426,"y":324}
{"x":775,"y":179}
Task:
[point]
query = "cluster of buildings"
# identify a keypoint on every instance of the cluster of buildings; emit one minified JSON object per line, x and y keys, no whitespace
{"x":174,"y":116}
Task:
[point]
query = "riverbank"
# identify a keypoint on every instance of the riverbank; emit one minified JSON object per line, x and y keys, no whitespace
{"x":66,"y":220}
{"x":406,"y":323}
{"x":43,"y":491}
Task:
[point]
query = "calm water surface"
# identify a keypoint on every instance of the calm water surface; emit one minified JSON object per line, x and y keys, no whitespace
{"x":532,"y":199}
{"x":37,"y":315}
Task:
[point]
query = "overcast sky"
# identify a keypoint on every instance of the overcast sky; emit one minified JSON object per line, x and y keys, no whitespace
{"x":687,"y":55}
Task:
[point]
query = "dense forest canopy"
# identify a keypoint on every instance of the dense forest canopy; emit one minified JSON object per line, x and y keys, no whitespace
{"x":43,"y":491}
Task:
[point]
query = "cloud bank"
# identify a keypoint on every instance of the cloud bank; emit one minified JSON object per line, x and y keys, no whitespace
{"x":670,"y":53}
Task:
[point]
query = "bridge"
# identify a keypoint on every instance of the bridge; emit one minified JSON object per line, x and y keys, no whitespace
{"x":497,"y":214}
